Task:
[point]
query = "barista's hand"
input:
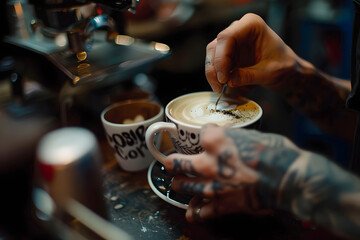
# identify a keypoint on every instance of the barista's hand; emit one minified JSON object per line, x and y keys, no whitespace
{"x":245,"y":171}
{"x":239,"y":171}
{"x":248,"y":52}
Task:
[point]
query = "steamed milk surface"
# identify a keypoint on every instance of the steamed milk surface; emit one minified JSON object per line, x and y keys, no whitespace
{"x":199,"y":110}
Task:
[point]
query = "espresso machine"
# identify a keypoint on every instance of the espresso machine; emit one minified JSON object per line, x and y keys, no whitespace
{"x":65,"y":61}
{"x":73,"y":48}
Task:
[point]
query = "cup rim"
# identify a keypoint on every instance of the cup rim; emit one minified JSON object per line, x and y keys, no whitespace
{"x":198,"y":126}
{"x":116,"y":104}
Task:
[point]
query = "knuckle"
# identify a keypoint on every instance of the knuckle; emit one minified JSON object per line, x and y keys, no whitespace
{"x":207,"y":140}
{"x":212,"y":134}
{"x":210,"y":70}
{"x":254,"y":18}
{"x":168,"y":164}
{"x":234,"y":22}
{"x":206,"y":167}
{"x":222,"y":36}
{"x":208,"y":192}
{"x":210,"y":46}
{"x":243,"y":78}
{"x":210,"y":73}
{"x":218,"y":61}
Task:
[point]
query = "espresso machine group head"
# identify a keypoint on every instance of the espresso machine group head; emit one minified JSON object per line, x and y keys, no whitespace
{"x":84,"y":39}
{"x":79,"y":18}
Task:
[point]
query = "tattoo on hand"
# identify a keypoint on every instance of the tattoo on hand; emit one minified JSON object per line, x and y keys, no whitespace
{"x":268,"y":155}
{"x":215,"y":187}
{"x":226,"y":169}
{"x":218,"y":186}
{"x":192,"y":187}
{"x":184,"y":166}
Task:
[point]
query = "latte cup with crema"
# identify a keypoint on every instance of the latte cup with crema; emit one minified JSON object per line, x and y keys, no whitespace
{"x":186,"y":115}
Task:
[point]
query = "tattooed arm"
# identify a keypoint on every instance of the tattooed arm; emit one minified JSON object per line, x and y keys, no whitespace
{"x":318,"y":96}
{"x":248,"y":171}
{"x":248,"y":53}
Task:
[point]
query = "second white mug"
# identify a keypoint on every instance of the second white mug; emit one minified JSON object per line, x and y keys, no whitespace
{"x":125,"y":125}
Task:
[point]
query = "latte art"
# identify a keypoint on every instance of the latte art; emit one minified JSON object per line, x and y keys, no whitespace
{"x":199,"y":110}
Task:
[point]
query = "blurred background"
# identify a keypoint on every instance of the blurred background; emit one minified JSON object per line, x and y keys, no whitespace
{"x":58,"y":69}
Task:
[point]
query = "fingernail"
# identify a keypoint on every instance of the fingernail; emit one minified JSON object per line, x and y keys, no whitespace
{"x":220,"y":77}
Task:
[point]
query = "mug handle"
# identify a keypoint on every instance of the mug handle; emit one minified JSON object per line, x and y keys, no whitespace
{"x":150,"y":134}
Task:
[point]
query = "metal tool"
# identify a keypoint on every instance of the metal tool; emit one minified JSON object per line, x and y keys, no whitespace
{"x":68,"y":194}
{"x":69,"y":163}
{"x":221,"y":93}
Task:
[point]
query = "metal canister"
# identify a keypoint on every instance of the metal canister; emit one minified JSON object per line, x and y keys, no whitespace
{"x":69,"y":168}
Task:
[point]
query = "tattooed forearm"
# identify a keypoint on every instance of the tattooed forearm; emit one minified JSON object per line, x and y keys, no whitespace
{"x":320,"y":97}
{"x":317,"y":190}
{"x":279,"y":159}
{"x":306,"y":184}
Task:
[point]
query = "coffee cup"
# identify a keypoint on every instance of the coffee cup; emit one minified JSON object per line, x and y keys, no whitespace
{"x":125,"y":124}
{"x":185,"y":116}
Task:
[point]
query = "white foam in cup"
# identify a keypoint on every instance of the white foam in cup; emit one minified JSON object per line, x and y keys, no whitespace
{"x":199,"y":109}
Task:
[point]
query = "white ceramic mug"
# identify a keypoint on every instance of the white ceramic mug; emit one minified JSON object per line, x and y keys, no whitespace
{"x":184,"y":120}
{"x":125,"y":125}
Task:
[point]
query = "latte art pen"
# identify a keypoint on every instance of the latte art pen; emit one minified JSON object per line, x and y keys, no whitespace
{"x":221,"y":93}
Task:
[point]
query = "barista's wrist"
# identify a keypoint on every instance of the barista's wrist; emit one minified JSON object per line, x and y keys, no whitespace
{"x":292,"y":72}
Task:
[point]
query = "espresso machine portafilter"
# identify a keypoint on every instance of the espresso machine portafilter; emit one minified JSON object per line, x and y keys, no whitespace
{"x":78,"y":19}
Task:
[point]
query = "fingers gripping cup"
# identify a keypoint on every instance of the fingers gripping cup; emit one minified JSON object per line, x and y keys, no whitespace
{"x":186,"y":115}
{"x":125,"y":125}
